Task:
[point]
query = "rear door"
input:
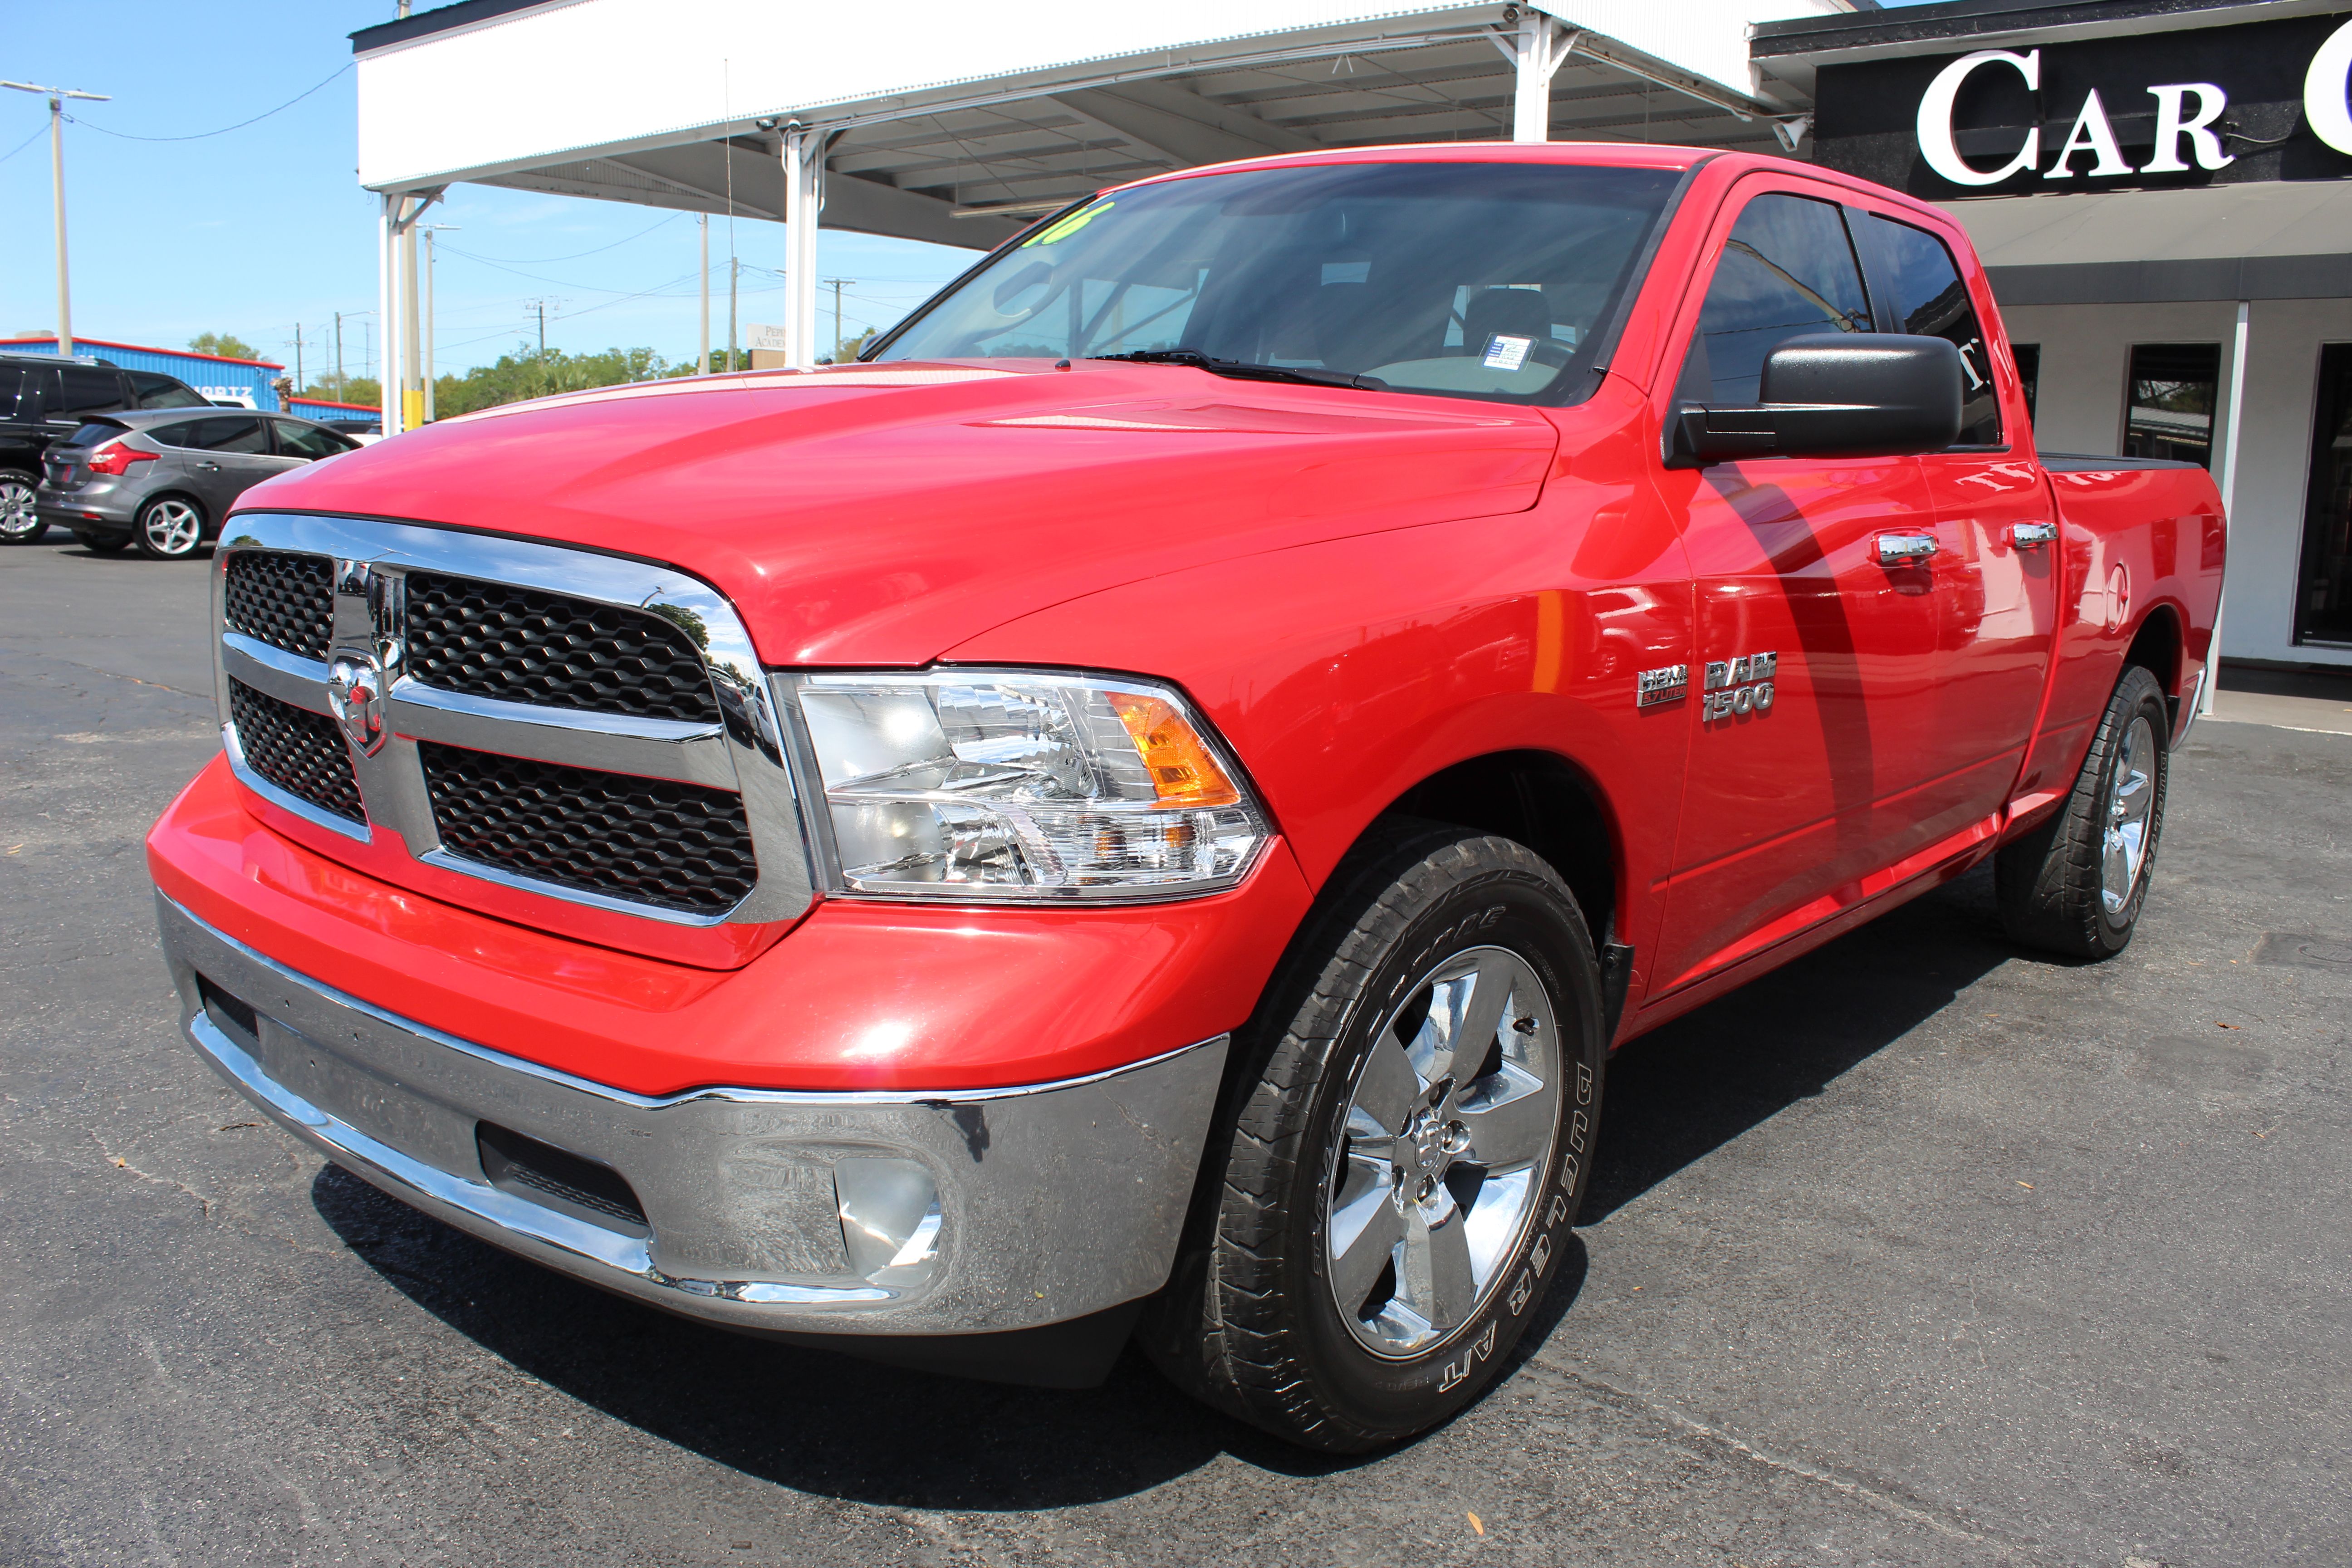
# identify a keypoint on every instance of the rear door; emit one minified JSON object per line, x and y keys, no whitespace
{"x":230,"y":454}
{"x":1812,"y":700}
{"x":1996,"y":556}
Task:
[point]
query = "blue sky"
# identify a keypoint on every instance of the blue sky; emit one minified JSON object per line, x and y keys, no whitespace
{"x":256,"y":230}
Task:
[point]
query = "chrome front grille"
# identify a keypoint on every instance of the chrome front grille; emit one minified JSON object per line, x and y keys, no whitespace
{"x":299,"y":751}
{"x":286,"y":601}
{"x":591,"y":729}
{"x":517,"y":645}
{"x":648,"y":841}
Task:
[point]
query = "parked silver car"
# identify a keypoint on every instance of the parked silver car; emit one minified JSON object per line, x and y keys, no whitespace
{"x":163,"y":479}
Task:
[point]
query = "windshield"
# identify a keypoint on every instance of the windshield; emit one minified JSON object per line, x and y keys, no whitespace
{"x":1475,"y":279}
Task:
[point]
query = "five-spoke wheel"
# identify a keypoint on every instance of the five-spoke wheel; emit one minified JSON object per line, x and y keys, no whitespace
{"x":169,"y":529}
{"x":1448,"y":1129}
{"x":19,"y":524}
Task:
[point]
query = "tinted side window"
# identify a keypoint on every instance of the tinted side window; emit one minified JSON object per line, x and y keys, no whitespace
{"x":12,"y":381}
{"x":174,"y":435}
{"x":296,"y":439}
{"x":1930,"y":299}
{"x":1787,"y":270}
{"x":156,"y":390}
{"x":86,"y":390}
{"x":230,"y":432}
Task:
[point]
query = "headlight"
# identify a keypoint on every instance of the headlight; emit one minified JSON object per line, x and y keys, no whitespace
{"x":1034,"y":786}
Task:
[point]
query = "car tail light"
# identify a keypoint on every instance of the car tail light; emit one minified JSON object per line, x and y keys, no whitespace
{"x":114,"y":457}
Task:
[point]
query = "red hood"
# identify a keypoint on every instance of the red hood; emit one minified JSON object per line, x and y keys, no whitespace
{"x":883,"y":514}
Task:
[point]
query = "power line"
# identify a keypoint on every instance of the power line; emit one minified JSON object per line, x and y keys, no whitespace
{"x":534,"y":260}
{"x":27,"y":141}
{"x":200,"y":135}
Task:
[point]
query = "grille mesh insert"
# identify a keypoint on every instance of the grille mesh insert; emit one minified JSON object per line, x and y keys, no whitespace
{"x":519,"y":644}
{"x":649,"y":841}
{"x":285,"y":600}
{"x":301,"y":752}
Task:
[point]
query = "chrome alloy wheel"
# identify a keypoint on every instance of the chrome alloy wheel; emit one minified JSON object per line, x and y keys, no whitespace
{"x":16,"y":519}
{"x":1449,"y":1129}
{"x":2131,"y":797}
{"x":169,"y":528}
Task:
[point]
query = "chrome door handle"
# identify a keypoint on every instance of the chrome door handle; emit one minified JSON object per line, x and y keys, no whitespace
{"x":208,"y":467}
{"x":1904,"y":549}
{"x":2032,"y":535}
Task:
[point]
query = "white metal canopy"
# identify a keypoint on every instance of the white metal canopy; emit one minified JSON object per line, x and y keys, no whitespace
{"x":958,"y":123}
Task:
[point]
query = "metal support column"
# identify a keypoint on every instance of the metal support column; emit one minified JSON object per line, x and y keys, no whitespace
{"x":804,"y":153}
{"x":1544,"y":47}
{"x":2229,"y":487}
{"x":387,"y":385}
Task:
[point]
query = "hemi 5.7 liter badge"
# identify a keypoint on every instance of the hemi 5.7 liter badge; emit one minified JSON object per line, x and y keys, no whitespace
{"x":1651,"y":687}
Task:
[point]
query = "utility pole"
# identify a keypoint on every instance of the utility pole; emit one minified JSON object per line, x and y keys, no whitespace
{"x":838,"y":284}
{"x":734,"y":272}
{"x":298,"y":359}
{"x":342,"y":392}
{"x":702,"y":352}
{"x":58,"y":194}
{"x":430,"y":230}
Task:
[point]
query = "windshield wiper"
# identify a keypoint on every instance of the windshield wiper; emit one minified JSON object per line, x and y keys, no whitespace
{"x":1244,"y":370}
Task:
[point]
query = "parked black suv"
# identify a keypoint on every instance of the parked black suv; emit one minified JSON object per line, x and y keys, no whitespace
{"x":43,"y":399}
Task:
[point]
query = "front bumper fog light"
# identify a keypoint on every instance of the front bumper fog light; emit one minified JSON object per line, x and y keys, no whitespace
{"x":889,"y":1219}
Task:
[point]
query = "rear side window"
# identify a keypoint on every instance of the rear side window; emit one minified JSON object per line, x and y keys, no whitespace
{"x":1928,"y":299}
{"x":229,"y":433}
{"x":13,"y":383}
{"x":156,"y":390}
{"x":1789,"y":269}
{"x":296,"y":439}
{"x":85,"y":389}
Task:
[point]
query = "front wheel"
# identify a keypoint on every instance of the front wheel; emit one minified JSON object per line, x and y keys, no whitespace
{"x":18,"y":522}
{"x":2075,"y":883}
{"x":168,"y":529}
{"x":1401,"y":1158}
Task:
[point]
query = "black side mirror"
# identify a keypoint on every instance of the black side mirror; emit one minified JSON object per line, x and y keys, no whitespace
{"x":1832,"y":395}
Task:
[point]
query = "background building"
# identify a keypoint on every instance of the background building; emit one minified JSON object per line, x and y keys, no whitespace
{"x":244,"y":382}
{"x":2162,"y":193}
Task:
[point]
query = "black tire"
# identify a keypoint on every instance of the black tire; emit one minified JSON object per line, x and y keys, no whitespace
{"x":169,"y":528}
{"x":18,"y":522}
{"x":104,"y":544}
{"x":1251,"y":1322}
{"x":2056,"y":883}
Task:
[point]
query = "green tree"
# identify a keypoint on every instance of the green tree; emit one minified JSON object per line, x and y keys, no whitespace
{"x":226,"y":345}
{"x":526,"y":373}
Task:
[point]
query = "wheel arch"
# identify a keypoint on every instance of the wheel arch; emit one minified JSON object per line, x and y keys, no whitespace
{"x":1538,"y":798}
{"x":2159,"y":646}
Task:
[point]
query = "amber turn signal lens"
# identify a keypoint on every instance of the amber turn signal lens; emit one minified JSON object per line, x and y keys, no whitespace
{"x":1181,"y":769}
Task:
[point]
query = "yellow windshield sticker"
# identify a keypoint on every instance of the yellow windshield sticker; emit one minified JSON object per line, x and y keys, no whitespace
{"x":1068,"y":225}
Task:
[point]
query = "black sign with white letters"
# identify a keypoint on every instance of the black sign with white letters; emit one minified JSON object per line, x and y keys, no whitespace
{"x":2265,"y":101}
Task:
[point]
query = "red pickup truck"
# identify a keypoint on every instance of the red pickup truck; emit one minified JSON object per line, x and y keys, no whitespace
{"x":1142,"y":809}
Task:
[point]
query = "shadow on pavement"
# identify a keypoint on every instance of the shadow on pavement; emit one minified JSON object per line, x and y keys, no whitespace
{"x":836,"y":1427}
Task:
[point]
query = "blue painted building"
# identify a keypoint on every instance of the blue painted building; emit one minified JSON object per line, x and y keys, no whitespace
{"x":327,"y":412}
{"x":243,"y":381}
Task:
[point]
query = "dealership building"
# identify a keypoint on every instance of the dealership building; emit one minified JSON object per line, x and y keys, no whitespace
{"x":2162,"y":193}
{"x":2161,"y":189}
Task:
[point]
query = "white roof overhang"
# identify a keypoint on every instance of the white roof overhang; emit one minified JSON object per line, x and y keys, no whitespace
{"x":955,"y":123}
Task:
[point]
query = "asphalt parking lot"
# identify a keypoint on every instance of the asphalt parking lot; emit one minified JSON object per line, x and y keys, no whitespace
{"x":1920,"y":1251}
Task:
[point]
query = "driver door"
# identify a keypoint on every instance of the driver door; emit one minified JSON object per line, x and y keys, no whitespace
{"x":1812,"y":693}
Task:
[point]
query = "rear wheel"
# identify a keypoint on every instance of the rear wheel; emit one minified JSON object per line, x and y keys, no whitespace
{"x":2075,"y":883}
{"x":1400,"y":1158}
{"x":18,"y":523}
{"x":169,"y":529}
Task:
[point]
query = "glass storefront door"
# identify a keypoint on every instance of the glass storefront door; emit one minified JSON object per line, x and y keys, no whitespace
{"x":2323,"y":602}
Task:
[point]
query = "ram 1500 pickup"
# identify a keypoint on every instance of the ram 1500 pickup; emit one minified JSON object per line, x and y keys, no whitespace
{"x":1140,"y":810}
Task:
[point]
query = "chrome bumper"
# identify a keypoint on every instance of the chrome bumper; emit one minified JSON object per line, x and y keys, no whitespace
{"x":952,"y":1213}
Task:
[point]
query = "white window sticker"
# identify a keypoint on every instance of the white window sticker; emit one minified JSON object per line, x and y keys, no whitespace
{"x":1506,"y":352}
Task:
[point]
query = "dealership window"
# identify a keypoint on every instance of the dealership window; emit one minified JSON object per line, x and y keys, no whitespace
{"x":2169,"y":413}
{"x":2323,"y":605}
{"x":2029,"y":372}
